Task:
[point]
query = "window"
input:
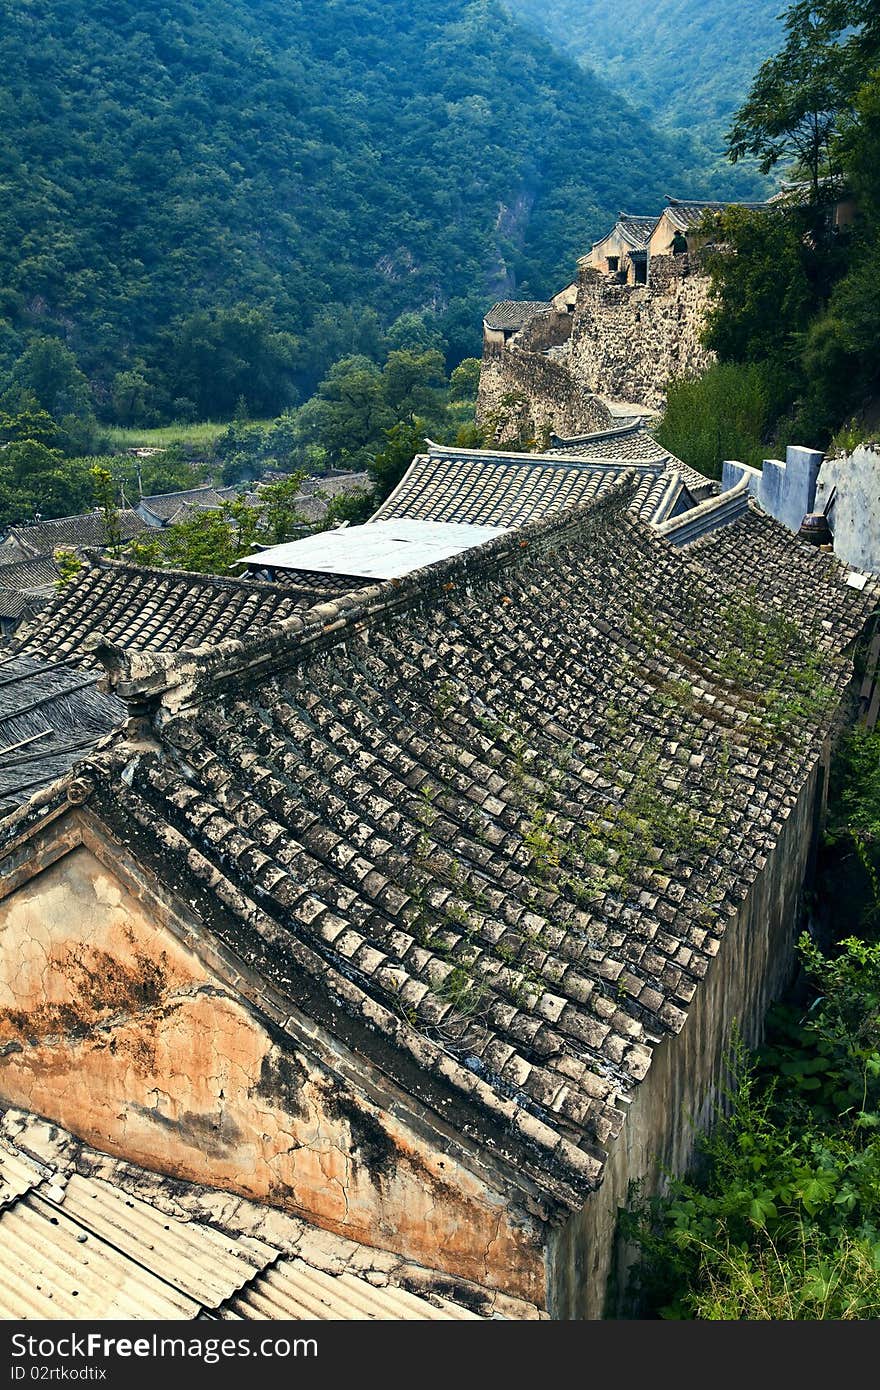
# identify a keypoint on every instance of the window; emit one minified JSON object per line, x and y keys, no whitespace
{"x":613,"y":262}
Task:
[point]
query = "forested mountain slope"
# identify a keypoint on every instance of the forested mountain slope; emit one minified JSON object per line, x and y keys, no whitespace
{"x":297,"y":156}
{"x":685,"y":64}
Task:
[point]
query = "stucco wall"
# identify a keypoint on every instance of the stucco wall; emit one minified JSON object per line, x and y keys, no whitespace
{"x":855,"y":517}
{"x":116,"y":1029}
{"x":586,"y":1263}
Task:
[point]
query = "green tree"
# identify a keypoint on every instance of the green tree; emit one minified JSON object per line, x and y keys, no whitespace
{"x":465,"y":379}
{"x":105,"y":497}
{"x":68,"y":563}
{"x":48,"y":373}
{"x":219,"y":359}
{"x":280,"y":517}
{"x":387,"y":466}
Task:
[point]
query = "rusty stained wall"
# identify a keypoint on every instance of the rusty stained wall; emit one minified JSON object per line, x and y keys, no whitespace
{"x":115,"y":1029}
{"x":587,"y":1263}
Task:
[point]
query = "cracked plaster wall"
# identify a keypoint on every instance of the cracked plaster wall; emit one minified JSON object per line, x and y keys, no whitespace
{"x":117,"y":1031}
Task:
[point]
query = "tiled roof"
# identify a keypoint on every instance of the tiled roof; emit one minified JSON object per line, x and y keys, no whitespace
{"x":158,"y":610}
{"x":336,"y":484}
{"x":26,"y":586}
{"x":502,"y":832}
{"x":38,"y":573}
{"x":166,"y":505}
{"x":636,"y":229}
{"x":43,"y":537}
{"x":80,"y":1240}
{"x":696,"y":522}
{"x":686,"y":212}
{"x":514,"y":314}
{"x":793,"y":576}
{"x":486,"y":487}
{"x":51,"y":714}
{"x":632,"y":442}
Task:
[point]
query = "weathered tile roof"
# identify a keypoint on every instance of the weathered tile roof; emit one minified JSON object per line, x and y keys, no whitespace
{"x":635,"y":228}
{"x":51,"y":712}
{"x":487,"y":487}
{"x":87,"y":1236}
{"x":76,"y":532}
{"x":158,"y":610}
{"x":165,"y":506}
{"x":490,"y":821}
{"x":720,"y":509}
{"x":793,"y":577}
{"x":686,"y":212}
{"x":26,"y":585}
{"x":630,"y":443}
{"x":514,"y":314}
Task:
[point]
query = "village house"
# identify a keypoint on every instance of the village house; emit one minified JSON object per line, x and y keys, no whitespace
{"x":624,"y":250}
{"x":423,"y":913}
{"x":29,"y":540}
{"x":633,"y":324}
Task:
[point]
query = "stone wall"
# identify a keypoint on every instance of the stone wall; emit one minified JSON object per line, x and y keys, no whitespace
{"x":127,"y":1028}
{"x":553,"y":401}
{"x":623,"y":342}
{"x":629,"y":340}
{"x":587,"y":1262}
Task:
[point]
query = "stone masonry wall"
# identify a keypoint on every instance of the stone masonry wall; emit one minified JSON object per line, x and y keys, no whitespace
{"x":553,"y":400}
{"x":629,"y":340}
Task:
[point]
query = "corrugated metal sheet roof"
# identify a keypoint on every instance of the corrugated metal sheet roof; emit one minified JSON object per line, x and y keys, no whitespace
{"x":18,"y":1174}
{"x":199,"y":1260}
{"x":387,"y":549}
{"x":53,"y":1268}
{"x":292,"y":1289}
{"x":82,"y":1247}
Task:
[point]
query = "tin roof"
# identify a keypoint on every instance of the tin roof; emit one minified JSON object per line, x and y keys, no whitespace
{"x":78,"y":1245}
{"x":387,"y":549}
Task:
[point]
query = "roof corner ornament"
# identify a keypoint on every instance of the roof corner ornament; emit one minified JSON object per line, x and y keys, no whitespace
{"x":112,"y":657}
{"x":79,"y":790}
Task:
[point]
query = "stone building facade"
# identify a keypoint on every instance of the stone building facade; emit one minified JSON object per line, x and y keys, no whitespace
{"x":633,"y":325}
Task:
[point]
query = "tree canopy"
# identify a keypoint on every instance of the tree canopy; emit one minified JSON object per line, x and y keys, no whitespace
{"x":220,"y":198}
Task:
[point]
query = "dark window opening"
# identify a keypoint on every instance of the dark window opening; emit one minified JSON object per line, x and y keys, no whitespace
{"x":613,"y":262}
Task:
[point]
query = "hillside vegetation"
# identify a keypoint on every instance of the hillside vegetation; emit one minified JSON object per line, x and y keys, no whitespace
{"x":218,"y":199}
{"x":682,"y":63}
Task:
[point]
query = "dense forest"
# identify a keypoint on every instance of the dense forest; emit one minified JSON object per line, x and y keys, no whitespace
{"x":218,"y":199}
{"x":682,"y":63}
{"x":795,"y":293}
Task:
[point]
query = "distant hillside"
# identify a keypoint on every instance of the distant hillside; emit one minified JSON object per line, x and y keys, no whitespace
{"x":685,"y":64}
{"x":297,"y":155}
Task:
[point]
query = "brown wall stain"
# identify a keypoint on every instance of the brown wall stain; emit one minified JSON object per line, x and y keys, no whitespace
{"x":115,"y":1030}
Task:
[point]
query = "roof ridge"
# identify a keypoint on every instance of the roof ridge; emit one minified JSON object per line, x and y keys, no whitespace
{"x":172,"y":678}
{"x":181,"y":491}
{"x":501,"y":456}
{"x":637,"y":422}
{"x":107,"y":562}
